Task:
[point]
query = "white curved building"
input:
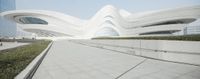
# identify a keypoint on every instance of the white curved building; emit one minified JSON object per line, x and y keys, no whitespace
{"x":109,"y":21}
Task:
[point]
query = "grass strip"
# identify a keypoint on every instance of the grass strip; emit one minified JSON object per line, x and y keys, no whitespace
{"x":180,"y":38}
{"x":13,"y":61}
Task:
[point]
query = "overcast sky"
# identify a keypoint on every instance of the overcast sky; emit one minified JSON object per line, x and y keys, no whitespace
{"x":85,"y":9}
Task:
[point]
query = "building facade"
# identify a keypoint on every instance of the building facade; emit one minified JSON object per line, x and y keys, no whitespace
{"x":108,"y":21}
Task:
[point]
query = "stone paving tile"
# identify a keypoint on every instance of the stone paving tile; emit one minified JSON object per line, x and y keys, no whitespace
{"x":161,"y":70}
{"x":74,"y":61}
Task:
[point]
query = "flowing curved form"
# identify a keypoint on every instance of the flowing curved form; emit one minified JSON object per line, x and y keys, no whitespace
{"x":109,"y":21}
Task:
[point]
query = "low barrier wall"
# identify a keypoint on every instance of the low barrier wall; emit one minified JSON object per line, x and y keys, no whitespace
{"x":187,"y":52}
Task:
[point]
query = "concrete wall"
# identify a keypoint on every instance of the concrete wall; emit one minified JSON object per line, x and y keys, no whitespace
{"x":175,"y":51}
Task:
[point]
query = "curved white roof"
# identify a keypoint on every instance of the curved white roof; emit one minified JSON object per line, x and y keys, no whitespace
{"x":123,"y":22}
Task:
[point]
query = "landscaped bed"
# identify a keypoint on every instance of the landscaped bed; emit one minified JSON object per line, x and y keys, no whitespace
{"x":180,"y":37}
{"x":13,"y":61}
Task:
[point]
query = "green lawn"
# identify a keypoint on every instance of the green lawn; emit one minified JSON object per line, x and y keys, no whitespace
{"x":181,"y":38}
{"x":13,"y":61}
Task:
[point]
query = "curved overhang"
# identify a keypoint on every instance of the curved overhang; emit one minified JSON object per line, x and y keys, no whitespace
{"x":161,"y":28}
{"x":186,"y":15}
{"x":49,"y":16}
{"x":172,"y":22}
{"x":45,"y":20}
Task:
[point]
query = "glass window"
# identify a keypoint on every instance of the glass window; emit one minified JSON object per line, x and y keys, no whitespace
{"x":160,"y":32}
{"x":32,"y":20}
{"x":179,"y":21}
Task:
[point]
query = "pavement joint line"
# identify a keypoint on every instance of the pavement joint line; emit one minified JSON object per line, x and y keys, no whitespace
{"x":130,"y":69}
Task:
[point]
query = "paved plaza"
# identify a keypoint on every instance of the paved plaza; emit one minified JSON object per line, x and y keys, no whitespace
{"x":9,"y":45}
{"x":70,"y":60}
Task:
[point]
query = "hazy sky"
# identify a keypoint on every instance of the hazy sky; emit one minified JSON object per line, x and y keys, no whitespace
{"x":85,"y":9}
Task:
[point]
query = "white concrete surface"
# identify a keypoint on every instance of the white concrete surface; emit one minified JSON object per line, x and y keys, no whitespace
{"x":177,"y":51}
{"x":70,"y":60}
{"x":8,"y":45}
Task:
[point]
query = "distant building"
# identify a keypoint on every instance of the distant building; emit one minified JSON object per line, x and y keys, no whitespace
{"x":7,"y":28}
{"x":193,"y":28}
